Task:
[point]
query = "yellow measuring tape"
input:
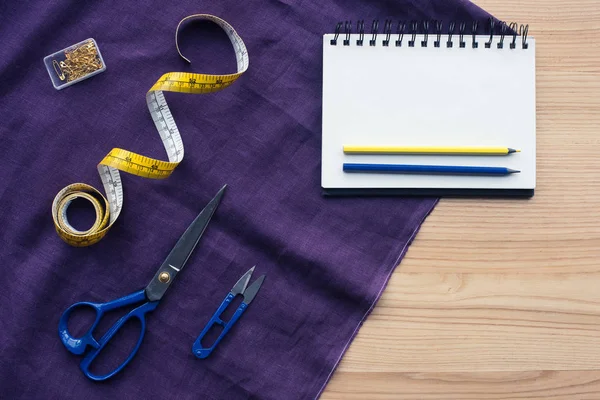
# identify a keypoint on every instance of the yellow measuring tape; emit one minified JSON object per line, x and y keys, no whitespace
{"x":108,"y":208}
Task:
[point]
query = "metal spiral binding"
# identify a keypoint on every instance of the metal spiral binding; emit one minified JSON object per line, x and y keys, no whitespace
{"x":461,"y":35}
{"x":475,"y":44}
{"x":523,"y":32}
{"x":387,"y":29}
{"x":401,"y":26}
{"x":338,"y":28}
{"x":513,"y":27}
{"x":502,"y":34}
{"x":426,"y":33}
{"x":502,"y":31}
{"x":415,"y":25}
{"x":374,"y":28}
{"x":361,"y":32}
{"x":438,"y":31}
{"x":348,"y":31}
{"x":488,"y":44}
{"x":449,"y":43}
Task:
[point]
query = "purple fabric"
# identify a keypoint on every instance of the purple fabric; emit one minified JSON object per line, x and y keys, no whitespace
{"x":327,"y":260}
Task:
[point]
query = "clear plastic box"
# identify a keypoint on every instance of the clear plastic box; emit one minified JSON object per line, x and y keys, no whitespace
{"x":74,"y":63}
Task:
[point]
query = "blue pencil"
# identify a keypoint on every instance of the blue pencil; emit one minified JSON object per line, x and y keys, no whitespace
{"x":429,"y":169}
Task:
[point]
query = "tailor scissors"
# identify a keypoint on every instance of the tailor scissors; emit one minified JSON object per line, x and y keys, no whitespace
{"x":150,"y":296}
{"x":239,"y":288}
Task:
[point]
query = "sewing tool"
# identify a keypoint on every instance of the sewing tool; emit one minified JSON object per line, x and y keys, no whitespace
{"x":108,"y":208}
{"x":239,"y":288}
{"x":429,"y":169}
{"x":489,"y":151}
{"x":74,"y":64}
{"x":150,"y":297}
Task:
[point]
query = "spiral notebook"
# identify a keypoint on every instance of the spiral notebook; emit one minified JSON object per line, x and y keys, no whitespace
{"x":450,"y":87}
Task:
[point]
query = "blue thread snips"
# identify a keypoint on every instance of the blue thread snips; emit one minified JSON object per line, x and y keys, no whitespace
{"x":241,"y":288}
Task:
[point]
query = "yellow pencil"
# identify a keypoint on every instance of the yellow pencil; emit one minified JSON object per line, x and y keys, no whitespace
{"x":500,"y":151}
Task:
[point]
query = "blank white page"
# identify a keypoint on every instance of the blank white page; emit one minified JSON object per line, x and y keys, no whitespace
{"x":428,"y":96}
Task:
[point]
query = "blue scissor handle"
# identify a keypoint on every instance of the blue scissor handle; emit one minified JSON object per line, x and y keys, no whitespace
{"x":79,"y":345}
{"x":197,"y":348}
{"x":138,"y":313}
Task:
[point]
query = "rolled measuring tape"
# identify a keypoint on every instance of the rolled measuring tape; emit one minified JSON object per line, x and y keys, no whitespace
{"x":108,"y":208}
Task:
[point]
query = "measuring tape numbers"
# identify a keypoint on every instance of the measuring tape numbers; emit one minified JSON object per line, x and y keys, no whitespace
{"x":108,"y":208}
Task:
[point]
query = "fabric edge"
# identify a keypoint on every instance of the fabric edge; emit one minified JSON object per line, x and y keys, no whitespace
{"x":397,"y":262}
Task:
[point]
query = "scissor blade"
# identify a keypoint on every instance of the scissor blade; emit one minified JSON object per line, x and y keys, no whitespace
{"x":241,"y":284}
{"x":190,"y":238}
{"x":250,"y":293}
{"x":184,"y":247}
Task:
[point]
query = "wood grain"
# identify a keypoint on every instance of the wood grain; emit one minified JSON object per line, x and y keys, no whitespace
{"x":526,"y":385}
{"x":500,"y":299}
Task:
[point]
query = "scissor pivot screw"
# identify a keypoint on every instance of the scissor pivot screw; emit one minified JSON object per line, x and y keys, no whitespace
{"x":164,"y":277}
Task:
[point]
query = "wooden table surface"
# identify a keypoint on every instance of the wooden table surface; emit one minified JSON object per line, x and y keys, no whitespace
{"x":500,"y":299}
